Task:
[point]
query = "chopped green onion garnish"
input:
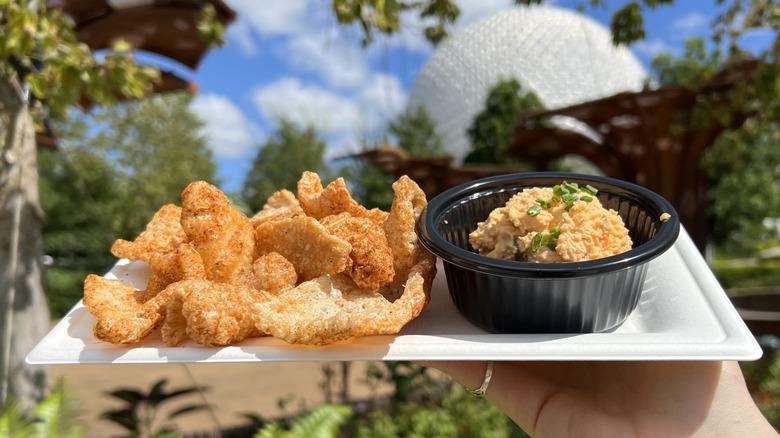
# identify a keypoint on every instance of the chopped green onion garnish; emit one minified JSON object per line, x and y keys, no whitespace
{"x":543,"y":203}
{"x":586,"y":198}
{"x":518,"y":251}
{"x":589,"y":189}
{"x":534,"y":210}
{"x":571,"y":187}
{"x":555,"y":232}
{"x":536,"y":242}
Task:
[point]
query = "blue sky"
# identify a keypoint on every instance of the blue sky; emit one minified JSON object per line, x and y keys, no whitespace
{"x":289,"y":58}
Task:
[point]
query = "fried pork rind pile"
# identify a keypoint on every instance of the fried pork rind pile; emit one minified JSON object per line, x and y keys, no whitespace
{"x":312,"y":269}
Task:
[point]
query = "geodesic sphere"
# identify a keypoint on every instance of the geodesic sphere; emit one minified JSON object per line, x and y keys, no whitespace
{"x":561,"y":55}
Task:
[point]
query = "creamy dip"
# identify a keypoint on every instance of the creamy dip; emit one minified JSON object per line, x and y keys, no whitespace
{"x":562,"y":224}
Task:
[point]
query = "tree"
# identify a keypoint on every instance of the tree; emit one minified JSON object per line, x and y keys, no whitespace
{"x":43,"y":71}
{"x":416,"y":133}
{"x":107,"y":183}
{"x":742,"y":170}
{"x":77,"y":192}
{"x":281,"y":160}
{"x":155,"y":150}
{"x":626,"y":24}
{"x":492,"y":128}
{"x":742,"y":164}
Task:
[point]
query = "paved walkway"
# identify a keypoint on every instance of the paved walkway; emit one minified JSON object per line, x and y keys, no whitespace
{"x":233,"y":389}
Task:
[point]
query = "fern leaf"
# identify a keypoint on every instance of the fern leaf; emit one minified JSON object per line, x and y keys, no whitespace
{"x":323,"y":422}
{"x":272,"y":430}
{"x":13,"y":422}
{"x":57,"y":416}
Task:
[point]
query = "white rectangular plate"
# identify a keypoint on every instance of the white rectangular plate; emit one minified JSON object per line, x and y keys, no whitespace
{"x":683,"y":314}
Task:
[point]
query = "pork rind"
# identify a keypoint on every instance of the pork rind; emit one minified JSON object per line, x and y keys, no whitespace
{"x":220,"y":233}
{"x":408,"y":202}
{"x":306,"y":243}
{"x":210,"y":313}
{"x":273,"y":273}
{"x":281,"y":205}
{"x":370,"y":259}
{"x":314,"y":268}
{"x":162,"y":234}
{"x":332,"y":308}
{"x":333,"y":199}
{"x":121,"y":318}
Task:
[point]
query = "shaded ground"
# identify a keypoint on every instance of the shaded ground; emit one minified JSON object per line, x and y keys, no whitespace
{"x":233,"y":389}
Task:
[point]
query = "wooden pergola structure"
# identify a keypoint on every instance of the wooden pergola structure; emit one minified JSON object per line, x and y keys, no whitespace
{"x":166,"y":28}
{"x":433,"y":174}
{"x":650,"y":137}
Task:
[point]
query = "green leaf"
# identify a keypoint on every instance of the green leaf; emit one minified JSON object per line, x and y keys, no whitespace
{"x":131,"y":396}
{"x":627,"y":24}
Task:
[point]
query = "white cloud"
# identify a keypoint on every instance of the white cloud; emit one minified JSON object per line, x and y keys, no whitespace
{"x":690,"y":23}
{"x":651,"y":48}
{"x":307,"y":105}
{"x":383,"y":97}
{"x":473,"y":10}
{"x":241,"y":34}
{"x":229,"y":132}
{"x":410,"y":37}
{"x":275,"y":17}
{"x":339,"y":63}
{"x":338,"y":116}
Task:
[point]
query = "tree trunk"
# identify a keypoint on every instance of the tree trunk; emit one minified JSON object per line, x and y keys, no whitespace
{"x":24,"y":314}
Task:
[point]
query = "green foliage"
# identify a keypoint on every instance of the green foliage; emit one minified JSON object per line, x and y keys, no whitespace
{"x":493,"y":127}
{"x":458,"y":415}
{"x":763,"y":379}
{"x":692,"y":69}
{"x":14,"y":422}
{"x":39,"y":45}
{"x":76,"y":193}
{"x":322,"y":422}
{"x":627,"y":22}
{"x":416,"y":133}
{"x":107,"y":183}
{"x":406,"y":378}
{"x":134,"y":158}
{"x":155,"y":151}
{"x":764,"y":273}
{"x":138,"y":414}
{"x":56,"y":416}
{"x":281,"y":160}
{"x":65,"y":286}
{"x":738,"y":18}
{"x":385,"y":16}
{"x":742,"y":169}
{"x":371,"y":186}
{"x":741,"y":165}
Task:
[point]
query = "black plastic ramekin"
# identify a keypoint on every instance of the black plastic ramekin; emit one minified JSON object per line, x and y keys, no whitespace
{"x":505,"y":296}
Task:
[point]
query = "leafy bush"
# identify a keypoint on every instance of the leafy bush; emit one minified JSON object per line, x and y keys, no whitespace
{"x":322,"y":422}
{"x":763,"y":379}
{"x":139,"y":413}
{"x":56,"y":416}
{"x":459,"y":414}
{"x":763,"y":273}
{"x":64,"y":288}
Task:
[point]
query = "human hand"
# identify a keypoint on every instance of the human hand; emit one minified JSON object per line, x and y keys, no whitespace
{"x":619,"y":399}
